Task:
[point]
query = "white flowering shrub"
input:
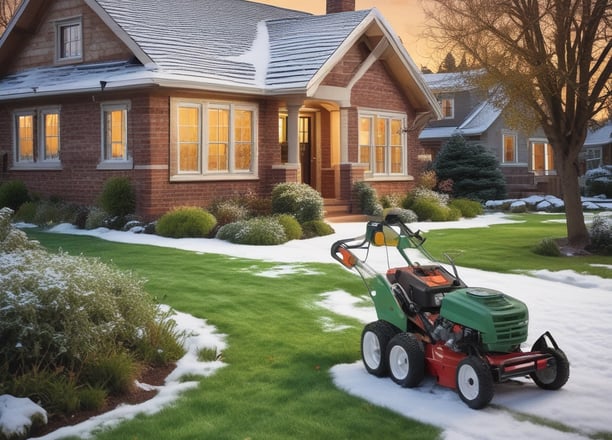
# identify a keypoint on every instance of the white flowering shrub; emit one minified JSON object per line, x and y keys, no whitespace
{"x":297,"y":199}
{"x":255,"y":231}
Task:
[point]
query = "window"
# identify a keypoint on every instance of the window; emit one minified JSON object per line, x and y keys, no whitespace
{"x":542,"y":161}
{"x":448,"y":107}
{"x":509,"y":148}
{"x":593,"y":158}
{"x":37,"y":137}
{"x":114,"y":136}
{"x":69,"y":40}
{"x":212,"y":139}
{"x":382,"y":143}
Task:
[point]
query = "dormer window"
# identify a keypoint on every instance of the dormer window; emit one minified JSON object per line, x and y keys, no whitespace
{"x":448,"y":107}
{"x":69,"y":40}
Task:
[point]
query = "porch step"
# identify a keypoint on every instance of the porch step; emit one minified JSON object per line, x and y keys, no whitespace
{"x":339,"y":211}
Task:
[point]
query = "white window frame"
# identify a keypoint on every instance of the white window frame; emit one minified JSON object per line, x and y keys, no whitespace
{"x":203,"y":173}
{"x":38,"y":160}
{"x":59,"y":28}
{"x":451,"y":100}
{"x":373,"y":115}
{"x":106,"y":161}
{"x":546,"y":171}
{"x":514,"y":137}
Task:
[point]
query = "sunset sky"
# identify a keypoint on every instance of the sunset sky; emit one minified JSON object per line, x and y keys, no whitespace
{"x":406,"y":17}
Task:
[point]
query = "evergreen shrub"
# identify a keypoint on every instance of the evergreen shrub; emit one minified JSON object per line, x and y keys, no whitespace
{"x":186,"y":221}
{"x":298,"y":199}
{"x":118,"y":197}
{"x":599,"y":181}
{"x":368,"y":198}
{"x":601,"y":235}
{"x":468,"y":208}
{"x":13,"y":194}
{"x":293,"y":229}
{"x":316,"y":228}
{"x":474,"y":171}
{"x":548,"y":248}
{"x":255,"y":231}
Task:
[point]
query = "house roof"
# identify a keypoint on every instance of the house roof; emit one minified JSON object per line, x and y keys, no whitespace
{"x":478,"y":120}
{"x":225,"y":45}
{"x":601,"y":136}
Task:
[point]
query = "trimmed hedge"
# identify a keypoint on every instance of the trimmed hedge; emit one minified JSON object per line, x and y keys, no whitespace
{"x":186,"y":221}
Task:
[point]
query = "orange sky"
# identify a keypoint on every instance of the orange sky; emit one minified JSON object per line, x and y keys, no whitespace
{"x":405,"y":17}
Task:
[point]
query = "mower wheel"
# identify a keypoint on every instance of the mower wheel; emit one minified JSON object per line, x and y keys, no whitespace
{"x":556,"y":375}
{"x":406,"y":360}
{"x":374,"y":339}
{"x":474,"y":382}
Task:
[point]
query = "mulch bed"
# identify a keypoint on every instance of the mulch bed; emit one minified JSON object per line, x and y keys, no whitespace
{"x":151,"y":376}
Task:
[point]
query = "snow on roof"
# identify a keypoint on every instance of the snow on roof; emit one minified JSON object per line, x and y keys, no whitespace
{"x":476,"y":123}
{"x":601,"y":136}
{"x":227,"y":44}
{"x":438,"y":133}
{"x":451,"y":81}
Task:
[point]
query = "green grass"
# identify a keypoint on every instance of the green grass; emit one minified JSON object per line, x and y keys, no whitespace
{"x":509,"y":247}
{"x":277,"y":383}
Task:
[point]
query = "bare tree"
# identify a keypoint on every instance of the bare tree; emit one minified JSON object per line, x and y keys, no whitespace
{"x":552,"y":59}
{"x":7,"y":10}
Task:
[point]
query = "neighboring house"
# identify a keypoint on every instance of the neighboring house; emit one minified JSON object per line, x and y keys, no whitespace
{"x":200,"y":100}
{"x":597,"y":150}
{"x":526,"y":160}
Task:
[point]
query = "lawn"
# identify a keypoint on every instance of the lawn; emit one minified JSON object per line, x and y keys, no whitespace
{"x":276,"y":383}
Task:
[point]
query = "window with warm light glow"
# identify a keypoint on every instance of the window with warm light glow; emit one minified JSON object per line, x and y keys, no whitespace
{"x":510,"y":148}
{"x":213,"y":139}
{"x":382,"y":143}
{"x":37,"y":137}
{"x":115,"y":148}
{"x":542,"y":160}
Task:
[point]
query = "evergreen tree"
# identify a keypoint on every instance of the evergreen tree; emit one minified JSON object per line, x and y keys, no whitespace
{"x":474,"y":171}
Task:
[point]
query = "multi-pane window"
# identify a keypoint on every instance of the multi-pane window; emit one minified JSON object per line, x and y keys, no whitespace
{"x":510,"y":148}
{"x":448,"y":107}
{"x":114,"y":132}
{"x":37,"y":136}
{"x":382,"y":143}
{"x":214,"y":138}
{"x":69,"y":40}
{"x":542,"y":160}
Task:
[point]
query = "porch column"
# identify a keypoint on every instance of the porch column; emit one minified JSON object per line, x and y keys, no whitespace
{"x":344,"y":129}
{"x":293,"y":135}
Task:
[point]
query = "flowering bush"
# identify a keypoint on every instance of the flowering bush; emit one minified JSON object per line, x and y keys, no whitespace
{"x":298,"y":199}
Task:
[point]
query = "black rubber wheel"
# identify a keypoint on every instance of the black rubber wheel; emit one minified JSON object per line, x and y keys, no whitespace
{"x":556,"y":375}
{"x":374,"y":339}
{"x":406,"y":360}
{"x":474,"y":382}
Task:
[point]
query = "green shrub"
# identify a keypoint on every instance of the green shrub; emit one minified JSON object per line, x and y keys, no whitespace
{"x":13,"y":194}
{"x":298,"y":199}
{"x":255,"y":231}
{"x":548,"y":248}
{"x":26,"y":212}
{"x":96,"y":218}
{"x":427,"y":209}
{"x":368,"y":199}
{"x":115,"y":372}
{"x":468,"y":208}
{"x":53,"y":390}
{"x":599,"y":181}
{"x":161,"y":342}
{"x":601,"y":235}
{"x":92,"y":398}
{"x":316,"y":228}
{"x":293,"y":229}
{"x":186,"y":221}
{"x":474,"y":171}
{"x":118,"y":197}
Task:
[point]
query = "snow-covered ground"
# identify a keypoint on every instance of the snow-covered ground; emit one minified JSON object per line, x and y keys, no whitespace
{"x":576,"y":308}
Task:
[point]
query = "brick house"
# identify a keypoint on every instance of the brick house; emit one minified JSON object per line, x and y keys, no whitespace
{"x":206,"y":99}
{"x":526,"y":159}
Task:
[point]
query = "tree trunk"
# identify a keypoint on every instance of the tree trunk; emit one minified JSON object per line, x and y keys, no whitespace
{"x":577,"y":233}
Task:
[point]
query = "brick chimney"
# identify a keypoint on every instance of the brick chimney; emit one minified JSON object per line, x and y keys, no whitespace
{"x":334,"y":6}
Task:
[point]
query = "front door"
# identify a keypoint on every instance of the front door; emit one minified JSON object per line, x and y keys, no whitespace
{"x":307,"y":158}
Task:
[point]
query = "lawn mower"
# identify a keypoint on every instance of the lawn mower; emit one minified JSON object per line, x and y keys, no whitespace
{"x":431,"y":322}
